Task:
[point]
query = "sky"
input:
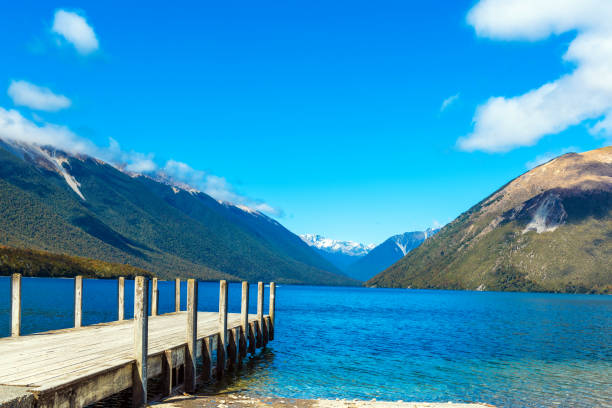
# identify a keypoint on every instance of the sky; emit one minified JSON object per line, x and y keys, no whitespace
{"x":351,"y":119}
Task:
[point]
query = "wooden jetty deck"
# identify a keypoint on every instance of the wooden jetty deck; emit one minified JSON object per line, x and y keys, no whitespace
{"x":83,"y":365}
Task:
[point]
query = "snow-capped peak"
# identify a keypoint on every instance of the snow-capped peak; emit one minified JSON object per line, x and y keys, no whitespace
{"x":331,"y":245}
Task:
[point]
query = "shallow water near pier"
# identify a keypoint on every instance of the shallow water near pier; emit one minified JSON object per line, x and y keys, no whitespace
{"x":506,"y":349}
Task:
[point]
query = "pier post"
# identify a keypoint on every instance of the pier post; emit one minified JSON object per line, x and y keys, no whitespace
{"x":121,"y":298}
{"x":260,"y":322}
{"x":78,"y":301}
{"x":167,"y":373}
{"x":252,"y":338}
{"x":192,"y":331}
{"x":141,"y":338}
{"x":16,"y":305}
{"x":244,"y":320}
{"x":237,"y":357}
{"x":154,"y":297}
{"x":272,"y":309}
{"x":207,"y":346}
{"x":231,"y":350}
{"x":222,"y":338}
{"x":177,"y":295}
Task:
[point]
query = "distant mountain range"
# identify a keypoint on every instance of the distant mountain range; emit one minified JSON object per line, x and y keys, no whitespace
{"x":80,"y":206}
{"x":360,"y":261}
{"x":549,"y":229}
{"x":340,"y":253}
{"x":387,"y":253}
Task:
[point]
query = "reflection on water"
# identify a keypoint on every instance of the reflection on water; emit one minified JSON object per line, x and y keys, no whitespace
{"x":507,"y":349}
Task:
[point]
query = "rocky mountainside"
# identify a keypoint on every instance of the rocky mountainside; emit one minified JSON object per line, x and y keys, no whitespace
{"x":80,"y":206}
{"x":387,"y":253}
{"x":549,"y":229}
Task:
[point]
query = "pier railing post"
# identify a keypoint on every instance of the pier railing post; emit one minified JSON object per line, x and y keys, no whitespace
{"x":260,"y":320}
{"x":154,"y":297}
{"x":192,"y":330}
{"x":272,"y":309}
{"x":121,"y":298}
{"x":177,"y":295}
{"x":141,"y":337}
{"x":244,"y":320}
{"x":222,"y":339}
{"x":78,"y":301}
{"x":16,"y":305}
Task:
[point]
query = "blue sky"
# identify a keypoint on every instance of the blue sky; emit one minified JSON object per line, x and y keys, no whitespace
{"x":329,"y":112}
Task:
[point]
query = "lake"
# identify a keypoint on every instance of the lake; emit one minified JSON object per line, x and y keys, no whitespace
{"x":507,"y":349}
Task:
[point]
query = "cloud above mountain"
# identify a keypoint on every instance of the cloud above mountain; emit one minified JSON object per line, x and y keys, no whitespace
{"x":24,"y":93}
{"x":74,"y":29}
{"x":585,"y":94}
{"x":17,"y":128}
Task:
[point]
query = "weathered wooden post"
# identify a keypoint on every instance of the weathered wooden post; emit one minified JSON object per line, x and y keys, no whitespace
{"x":78,"y":301}
{"x":177,"y":295}
{"x":260,"y":320}
{"x":16,"y":305}
{"x":244,"y":320}
{"x":167,"y":373}
{"x":121,"y":298}
{"x":237,"y":358}
{"x":141,"y":339}
{"x":207,"y":346}
{"x":272,"y":309}
{"x":231,"y":350}
{"x":154,"y":297}
{"x":222,"y":338}
{"x":192,"y":331}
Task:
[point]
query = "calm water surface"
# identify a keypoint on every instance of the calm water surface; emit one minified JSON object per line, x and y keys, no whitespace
{"x":507,"y":349}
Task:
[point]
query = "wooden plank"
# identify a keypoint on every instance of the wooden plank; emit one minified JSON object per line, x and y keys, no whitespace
{"x":192,"y":329}
{"x":89,"y":391}
{"x":222,"y":340}
{"x":16,"y":305}
{"x":154,"y":297}
{"x":139,"y":378}
{"x":272,"y":309}
{"x":121,"y":298}
{"x":90,"y":350}
{"x":78,"y":301}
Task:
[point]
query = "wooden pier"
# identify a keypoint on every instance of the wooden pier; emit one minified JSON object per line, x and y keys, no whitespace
{"x":85,"y":364}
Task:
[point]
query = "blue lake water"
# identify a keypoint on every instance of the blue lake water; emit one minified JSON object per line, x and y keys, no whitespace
{"x":507,"y":349}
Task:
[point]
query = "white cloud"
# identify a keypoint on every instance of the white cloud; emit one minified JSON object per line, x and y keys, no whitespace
{"x":15,"y":127}
{"x":502,"y":124}
{"x":449,"y":101}
{"x":130,"y":160}
{"x":74,"y":29}
{"x":215,"y":186}
{"x":24,"y":93}
{"x":548,"y":156}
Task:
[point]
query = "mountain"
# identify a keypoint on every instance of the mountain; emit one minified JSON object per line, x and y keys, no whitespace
{"x":386,"y":254}
{"x":80,"y":206}
{"x":549,"y":229}
{"x":340,"y":253}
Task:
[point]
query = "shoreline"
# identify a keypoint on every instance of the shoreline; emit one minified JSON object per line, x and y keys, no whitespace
{"x":236,"y":400}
